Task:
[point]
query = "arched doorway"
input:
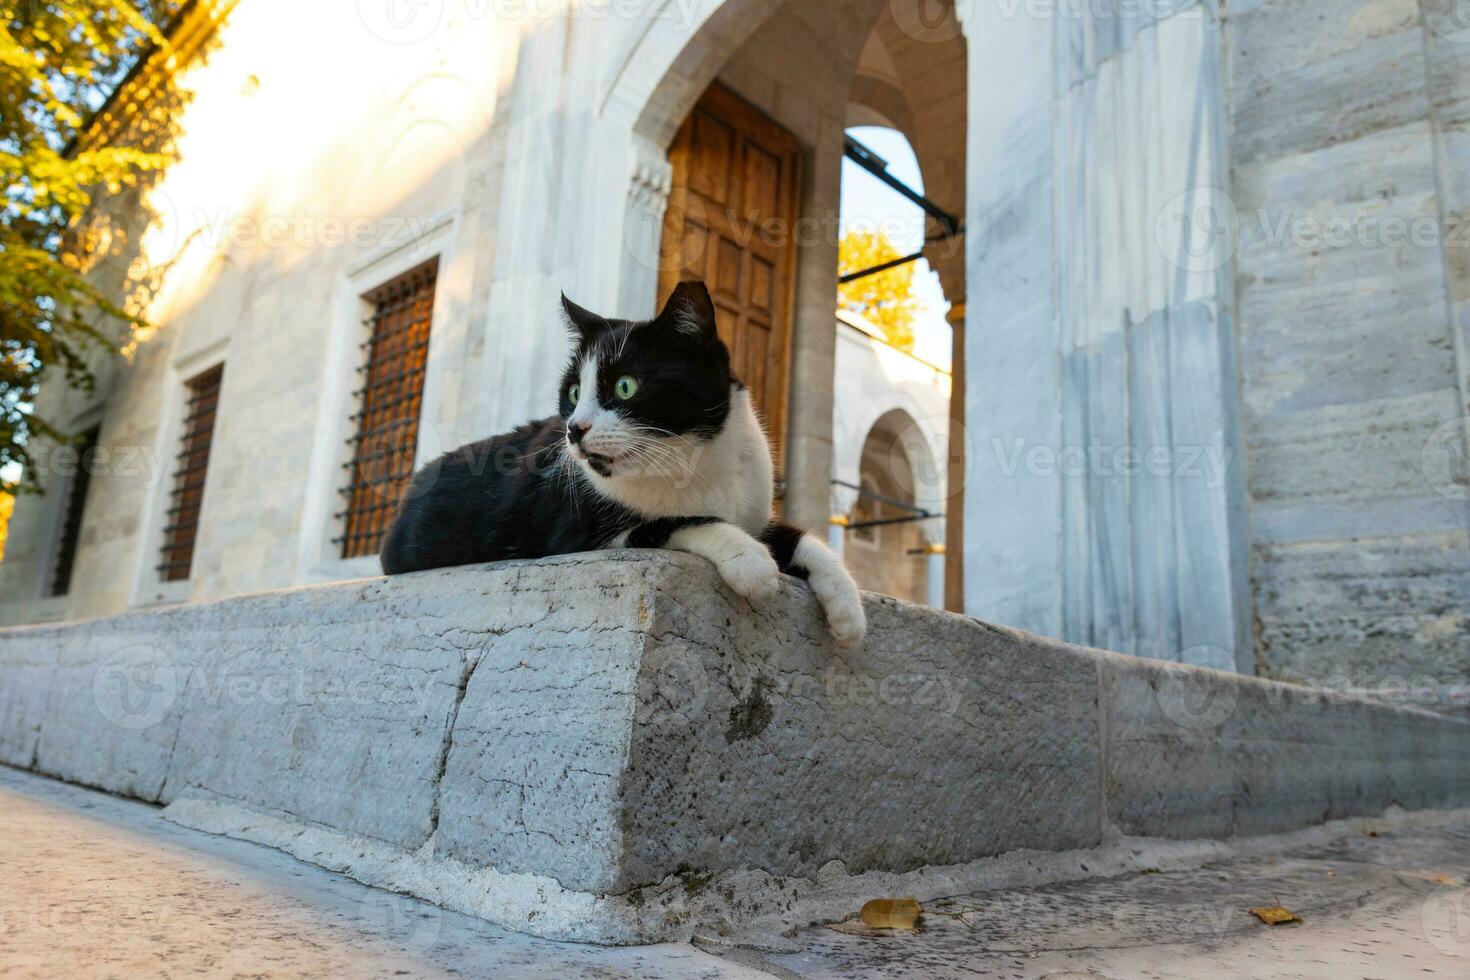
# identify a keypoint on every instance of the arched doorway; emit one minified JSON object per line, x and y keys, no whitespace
{"x":889,"y":538}
{"x":805,"y":66}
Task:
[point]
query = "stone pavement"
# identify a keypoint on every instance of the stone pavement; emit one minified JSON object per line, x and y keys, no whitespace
{"x":92,"y":885}
{"x":95,"y":886}
{"x":1392,"y":906}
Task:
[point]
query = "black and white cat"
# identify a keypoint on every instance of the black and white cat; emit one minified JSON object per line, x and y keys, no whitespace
{"x":656,"y":446}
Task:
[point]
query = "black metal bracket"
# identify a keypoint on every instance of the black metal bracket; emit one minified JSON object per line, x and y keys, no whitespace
{"x":883,"y":267}
{"x":917,"y":513}
{"x":874,"y":164}
{"x":891,"y":520}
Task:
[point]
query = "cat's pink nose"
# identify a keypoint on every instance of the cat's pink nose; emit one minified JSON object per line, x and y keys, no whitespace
{"x":576,"y":430}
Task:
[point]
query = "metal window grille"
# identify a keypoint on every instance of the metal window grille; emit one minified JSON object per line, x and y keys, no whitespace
{"x":71,"y":521}
{"x":389,"y":400}
{"x":193,"y":466}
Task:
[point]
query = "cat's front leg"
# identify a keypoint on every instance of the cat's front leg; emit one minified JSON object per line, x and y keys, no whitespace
{"x":805,"y":556}
{"x":743,"y":562}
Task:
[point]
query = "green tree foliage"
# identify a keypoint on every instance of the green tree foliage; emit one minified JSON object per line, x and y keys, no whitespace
{"x":884,"y":299}
{"x":58,"y":64}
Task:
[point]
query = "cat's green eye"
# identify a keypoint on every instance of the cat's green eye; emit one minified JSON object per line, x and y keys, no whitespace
{"x":574,"y":393}
{"x":626,"y":387}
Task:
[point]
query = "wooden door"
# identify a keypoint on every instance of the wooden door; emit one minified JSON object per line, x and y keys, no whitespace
{"x":732,"y":222}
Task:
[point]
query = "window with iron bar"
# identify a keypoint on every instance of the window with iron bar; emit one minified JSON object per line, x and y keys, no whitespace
{"x":71,"y":518}
{"x":390,"y":396}
{"x":192,"y":467}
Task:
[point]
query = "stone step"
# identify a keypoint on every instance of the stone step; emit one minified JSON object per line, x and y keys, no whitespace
{"x":614,"y":748}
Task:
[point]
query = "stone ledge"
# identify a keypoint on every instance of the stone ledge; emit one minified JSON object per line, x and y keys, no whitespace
{"x":615,"y":748}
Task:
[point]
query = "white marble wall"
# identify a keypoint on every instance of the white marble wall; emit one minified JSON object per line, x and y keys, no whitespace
{"x":1104,"y":487}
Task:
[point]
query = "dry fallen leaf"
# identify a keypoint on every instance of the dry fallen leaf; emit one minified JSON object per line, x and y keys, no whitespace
{"x":891,"y":913}
{"x":1275,"y":915}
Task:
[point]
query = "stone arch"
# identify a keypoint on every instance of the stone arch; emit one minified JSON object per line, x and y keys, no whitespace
{"x":899,"y":413}
{"x":894,"y":558}
{"x":921,"y":49}
{"x":914,"y":74}
{"x":676,"y":54}
{"x":905,"y":426}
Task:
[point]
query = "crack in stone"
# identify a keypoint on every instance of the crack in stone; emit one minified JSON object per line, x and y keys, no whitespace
{"x":168,"y":764}
{"x":442,"y":764}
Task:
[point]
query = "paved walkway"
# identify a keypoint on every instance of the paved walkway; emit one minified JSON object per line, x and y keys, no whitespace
{"x":1393,"y":906}
{"x":92,"y":886}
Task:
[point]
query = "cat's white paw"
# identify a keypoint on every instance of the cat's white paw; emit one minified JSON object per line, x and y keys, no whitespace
{"x":752,"y":574}
{"x":845,"y":618}
{"x":743,"y":562}
{"x":835,"y":590}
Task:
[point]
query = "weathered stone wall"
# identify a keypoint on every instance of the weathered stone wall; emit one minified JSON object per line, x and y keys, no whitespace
{"x":618,"y":749}
{"x":1169,"y":203}
{"x":1350,"y":157}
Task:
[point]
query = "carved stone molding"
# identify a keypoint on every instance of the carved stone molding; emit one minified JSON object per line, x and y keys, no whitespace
{"x":651,"y":180}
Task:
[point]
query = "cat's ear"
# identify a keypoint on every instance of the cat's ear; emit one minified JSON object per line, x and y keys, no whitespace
{"x":584,"y":324}
{"x":690,"y":311}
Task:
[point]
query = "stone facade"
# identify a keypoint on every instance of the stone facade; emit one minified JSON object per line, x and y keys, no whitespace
{"x":1134,"y":289}
{"x":1351,"y":275}
{"x":1183,"y":434}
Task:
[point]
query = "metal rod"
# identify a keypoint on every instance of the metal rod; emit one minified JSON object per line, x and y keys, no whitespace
{"x":883,"y":267}
{"x":890,"y":501}
{"x":878,"y":167}
{"x":891,"y":520}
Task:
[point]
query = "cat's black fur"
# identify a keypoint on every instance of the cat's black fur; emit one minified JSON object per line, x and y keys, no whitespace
{"x":509,"y":496}
{"x":519,"y":495}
